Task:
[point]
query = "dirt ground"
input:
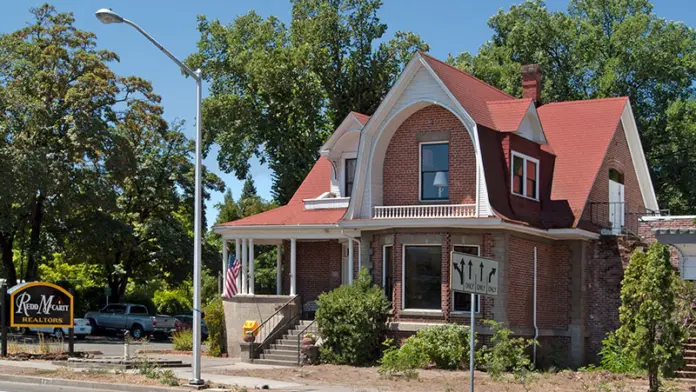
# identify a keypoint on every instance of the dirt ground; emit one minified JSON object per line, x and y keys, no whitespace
{"x":94,"y":375}
{"x":367,"y":379}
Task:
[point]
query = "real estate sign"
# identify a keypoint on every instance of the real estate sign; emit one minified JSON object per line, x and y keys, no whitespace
{"x":472,"y":274}
{"x":41,"y":304}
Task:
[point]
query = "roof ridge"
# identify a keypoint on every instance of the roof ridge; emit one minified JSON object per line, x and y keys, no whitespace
{"x":578,"y":101}
{"x":465,"y":73}
{"x":507,"y":101}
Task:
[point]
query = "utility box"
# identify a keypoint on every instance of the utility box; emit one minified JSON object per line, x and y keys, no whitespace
{"x":250,"y":325}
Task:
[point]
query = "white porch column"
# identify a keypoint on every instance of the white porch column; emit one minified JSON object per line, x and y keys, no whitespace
{"x":244,"y":267}
{"x":350,"y":261}
{"x":279,"y":269}
{"x":225,"y":258}
{"x":237,"y":256}
{"x":293,"y":266}
{"x":252,"y":280}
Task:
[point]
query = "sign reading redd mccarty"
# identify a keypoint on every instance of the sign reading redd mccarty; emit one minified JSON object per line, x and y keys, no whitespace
{"x":41,"y":304}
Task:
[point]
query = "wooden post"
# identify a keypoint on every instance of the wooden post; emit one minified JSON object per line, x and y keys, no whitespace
{"x":71,"y":330}
{"x":3,"y":318}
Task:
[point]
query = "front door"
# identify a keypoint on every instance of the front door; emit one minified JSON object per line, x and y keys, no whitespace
{"x":616,"y":206}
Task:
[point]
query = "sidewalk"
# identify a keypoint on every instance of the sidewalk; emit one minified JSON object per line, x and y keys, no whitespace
{"x":210,"y":365}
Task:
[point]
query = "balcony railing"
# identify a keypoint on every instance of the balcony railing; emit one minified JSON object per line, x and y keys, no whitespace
{"x":616,"y":218}
{"x":425,"y":211}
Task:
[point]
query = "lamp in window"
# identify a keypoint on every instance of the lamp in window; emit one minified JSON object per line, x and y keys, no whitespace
{"x":440,"y":183}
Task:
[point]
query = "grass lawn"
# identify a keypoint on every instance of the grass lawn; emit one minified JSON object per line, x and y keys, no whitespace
{"x":367,"y":379}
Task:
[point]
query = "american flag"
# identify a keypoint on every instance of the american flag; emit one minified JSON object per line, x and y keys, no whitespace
{"x":231,"y":276}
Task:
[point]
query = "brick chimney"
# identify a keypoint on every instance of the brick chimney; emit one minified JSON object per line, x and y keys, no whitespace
{"x":531,"y":82}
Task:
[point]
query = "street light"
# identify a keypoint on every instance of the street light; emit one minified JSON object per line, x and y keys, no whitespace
{"x":107,"y":16}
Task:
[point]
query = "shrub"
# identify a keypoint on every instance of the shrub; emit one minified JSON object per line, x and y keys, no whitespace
{"x":445,"y":345}
{"x":183,"y":340}
{"x":615,"y":358}
{"x":403,"y":360}
{"x":505,"y":353}
{"x":173,"y":301}
{"x":168,"y":377}
{"x":215,"y":320}
{"x":352,"y":321}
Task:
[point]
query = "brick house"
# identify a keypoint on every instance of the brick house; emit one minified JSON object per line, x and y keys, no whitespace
{"x":448,"y":162}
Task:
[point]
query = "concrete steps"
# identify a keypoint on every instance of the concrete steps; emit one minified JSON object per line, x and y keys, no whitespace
{"x":688,"y":372}
{"x":285,"y":350}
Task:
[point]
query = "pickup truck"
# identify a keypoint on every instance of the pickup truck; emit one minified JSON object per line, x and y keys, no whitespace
{"x":132,"y":317}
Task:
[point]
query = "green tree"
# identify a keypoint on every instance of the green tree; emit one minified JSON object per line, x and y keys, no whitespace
{"x":56,"y":107}
{"x":278,"y":92}
{"x":650,"y":328}
{"x":605,"y":48}
{"x":249,"y":188}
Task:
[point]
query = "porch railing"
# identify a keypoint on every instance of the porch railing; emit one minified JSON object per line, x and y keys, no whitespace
{"x":274,"y":326}
{"x":425,"y":211}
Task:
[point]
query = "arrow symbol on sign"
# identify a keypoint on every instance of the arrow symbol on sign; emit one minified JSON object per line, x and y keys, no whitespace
{"x":490,"y":275}
{"x":481,"y":272}
{"x":470,"y":264}
{"x":460,"y":269}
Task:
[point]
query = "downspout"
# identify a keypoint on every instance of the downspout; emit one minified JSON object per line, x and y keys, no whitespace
{"x":536,"y":328}
{"x":359,"y":252}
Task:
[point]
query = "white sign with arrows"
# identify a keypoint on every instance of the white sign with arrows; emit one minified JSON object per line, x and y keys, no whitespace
{"x":472,"y":274}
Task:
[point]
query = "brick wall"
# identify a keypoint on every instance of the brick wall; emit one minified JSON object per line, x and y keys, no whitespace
{"x":318,"y":267}
{"x":553,"y":284}
{"x":605,"y":268}
{"x":401,"y":163}
{"x":618,"y":157}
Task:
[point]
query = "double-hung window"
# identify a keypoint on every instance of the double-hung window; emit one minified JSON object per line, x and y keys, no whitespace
{"x":349,"y":176}
{"x":462,"y":301}
{"x":434,"y":171}
{"x":525,"y":176}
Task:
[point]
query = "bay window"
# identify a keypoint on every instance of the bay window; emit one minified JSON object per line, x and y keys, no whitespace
{"x":422,"y":277}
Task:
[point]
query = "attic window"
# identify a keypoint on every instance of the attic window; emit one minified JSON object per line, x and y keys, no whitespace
{"x":349,"y":176}
{"x":525,"y":176}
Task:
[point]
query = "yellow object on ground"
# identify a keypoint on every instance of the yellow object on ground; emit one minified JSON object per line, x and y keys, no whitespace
{"x":250,"y":325}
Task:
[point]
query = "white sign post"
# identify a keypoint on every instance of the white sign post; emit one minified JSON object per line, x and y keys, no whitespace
{"x":474,"y":275}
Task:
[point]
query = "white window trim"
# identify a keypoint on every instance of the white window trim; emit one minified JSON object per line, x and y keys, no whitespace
{"x":420,"y":172}
{"x":524,"y":175}
{"x":403,"y":282}
{"x":384,"y":263}
{"x":342,"y":170}
{"x":478,"y":297}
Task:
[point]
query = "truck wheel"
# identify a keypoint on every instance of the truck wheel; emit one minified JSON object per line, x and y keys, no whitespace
{"x":58,"y":333}
{"x":137,"y":331}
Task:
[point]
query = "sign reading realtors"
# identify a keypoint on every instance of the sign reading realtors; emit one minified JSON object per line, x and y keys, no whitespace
{"x":40,"y":304}
{"x":471,"y":274}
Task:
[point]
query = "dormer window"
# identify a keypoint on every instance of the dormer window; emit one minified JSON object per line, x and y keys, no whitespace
{"x":434,"y":175}
{"x":525,"y":176}
{"x":349,"y":176}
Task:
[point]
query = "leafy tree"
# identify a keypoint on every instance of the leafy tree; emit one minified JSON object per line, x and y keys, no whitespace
{"x":650,"y":329}
{"x":606,"y":48}
{"x":56,"y":97}
{"x":249,"y":188}
{"x":277,"y":92}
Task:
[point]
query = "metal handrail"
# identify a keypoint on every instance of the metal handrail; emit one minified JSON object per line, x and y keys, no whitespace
{"x":254,"y":332}
{"x":299,"y":336}
{"x":274,"y":313}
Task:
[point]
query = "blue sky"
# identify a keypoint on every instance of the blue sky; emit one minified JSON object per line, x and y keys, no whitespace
{"x":448,"y":26}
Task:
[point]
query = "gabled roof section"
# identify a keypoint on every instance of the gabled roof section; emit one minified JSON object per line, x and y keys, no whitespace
{"x":507,"y":115}
{"x":294,"y":213}
{"x":354,"y":121}
{"x":472,"y":93}
{"x":579,"y":133}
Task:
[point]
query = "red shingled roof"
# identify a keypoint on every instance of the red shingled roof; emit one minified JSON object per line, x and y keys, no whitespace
{"x":317,"y":182}
{"x":507,"y":115}
{"x":472,"y":93}
{"x":579,"y":132}
{"x":363,"y":118}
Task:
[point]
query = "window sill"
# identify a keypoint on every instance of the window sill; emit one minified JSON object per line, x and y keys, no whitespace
{"x":420,"y":313}
{"x":524,"y":197}
{"x":464,"y":313}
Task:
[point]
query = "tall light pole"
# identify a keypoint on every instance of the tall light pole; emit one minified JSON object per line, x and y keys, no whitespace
{"x":108,"y":16}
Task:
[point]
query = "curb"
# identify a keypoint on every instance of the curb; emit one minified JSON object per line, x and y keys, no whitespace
{"x":89,"y":384}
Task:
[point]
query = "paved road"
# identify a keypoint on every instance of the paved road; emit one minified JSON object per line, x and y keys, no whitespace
{"x":6,"y":386}
{"x":108,"y":345}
